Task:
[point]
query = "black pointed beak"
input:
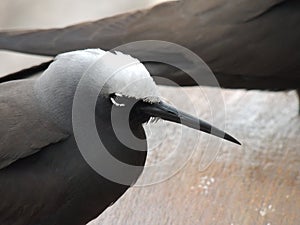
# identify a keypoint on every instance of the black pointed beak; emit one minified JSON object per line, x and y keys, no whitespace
{"x":169,"y":113}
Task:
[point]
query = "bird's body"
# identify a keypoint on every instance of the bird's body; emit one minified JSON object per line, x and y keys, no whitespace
{"x":46,"y":190}
{"x":49,"y":181}
{"x":44,"y":177}
{"x":54,"y":184}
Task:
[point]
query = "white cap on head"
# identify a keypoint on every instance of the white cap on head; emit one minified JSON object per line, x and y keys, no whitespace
{"x":107,"y":73}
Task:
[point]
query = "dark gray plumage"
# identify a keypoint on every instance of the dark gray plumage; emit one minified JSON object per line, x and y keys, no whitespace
{"x":249,"y":44}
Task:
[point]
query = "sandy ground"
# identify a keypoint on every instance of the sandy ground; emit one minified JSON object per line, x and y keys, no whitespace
{"x":202,"y":181}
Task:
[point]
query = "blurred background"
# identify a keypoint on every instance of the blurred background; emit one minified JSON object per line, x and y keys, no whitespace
{"x":258,"y":183}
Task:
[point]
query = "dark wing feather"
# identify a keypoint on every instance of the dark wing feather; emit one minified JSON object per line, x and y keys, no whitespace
{"x":248,"y":44}
{"x":26,"y":73}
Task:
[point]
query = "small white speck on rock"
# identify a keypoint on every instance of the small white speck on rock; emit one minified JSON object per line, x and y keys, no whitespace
{"x":204,"y":183}
{"x":265,"y":209}
{"x":263,"y":212}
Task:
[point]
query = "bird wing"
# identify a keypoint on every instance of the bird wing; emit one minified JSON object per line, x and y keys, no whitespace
{"x":26,"y":73}
{"x":24,"y":130}
{"x":157,"y":23}
{"x":249,"y":44}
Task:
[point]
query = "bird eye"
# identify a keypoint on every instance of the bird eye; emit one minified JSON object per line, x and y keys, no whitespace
{"x":114,"y":98}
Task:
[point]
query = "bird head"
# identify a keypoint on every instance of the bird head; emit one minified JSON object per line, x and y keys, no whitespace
{"x":124,"y":86}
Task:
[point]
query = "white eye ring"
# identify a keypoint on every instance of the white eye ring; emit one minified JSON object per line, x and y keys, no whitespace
{"x":114,"y":101}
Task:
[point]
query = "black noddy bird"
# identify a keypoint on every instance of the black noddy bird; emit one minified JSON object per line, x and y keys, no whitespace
{"x":44,"y":178}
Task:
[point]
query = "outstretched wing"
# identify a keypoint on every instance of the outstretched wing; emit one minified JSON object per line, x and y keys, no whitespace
{"x":251,"y":44}
{"x":24,"y":129}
